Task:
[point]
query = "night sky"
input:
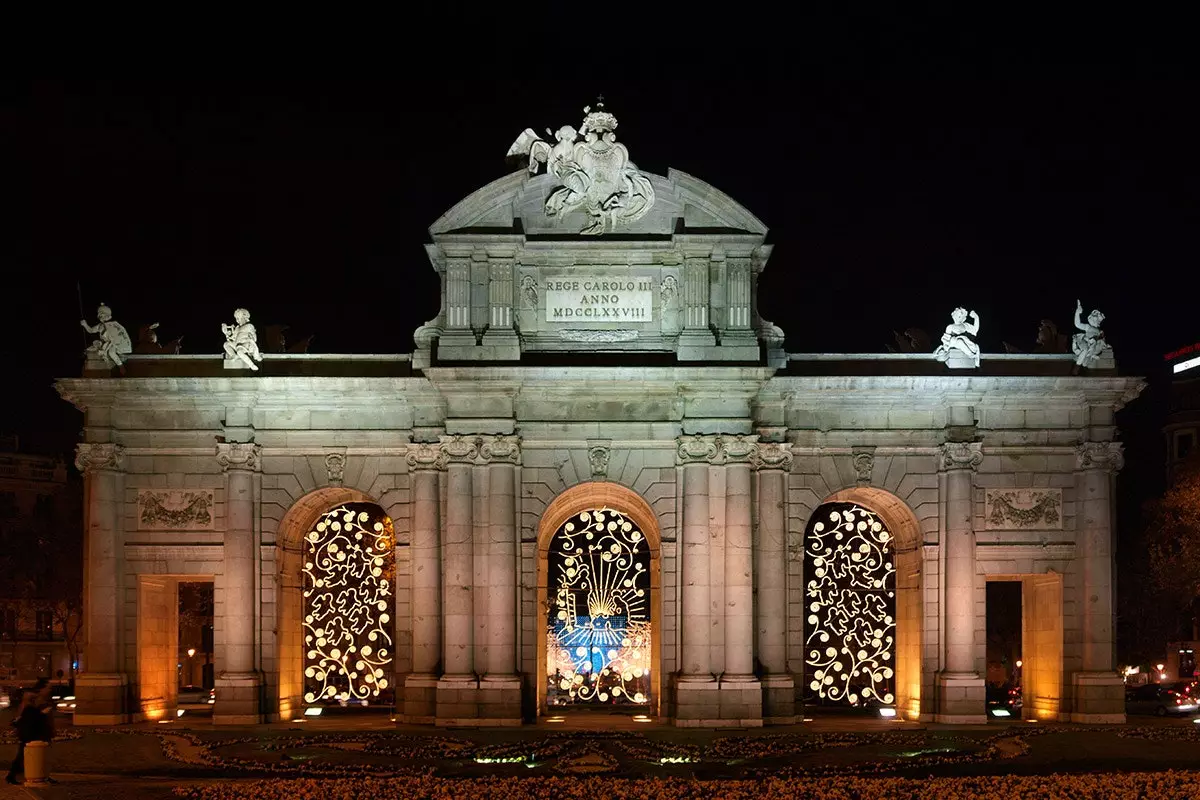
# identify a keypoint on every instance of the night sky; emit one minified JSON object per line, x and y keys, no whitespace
{"x":889,"y":203}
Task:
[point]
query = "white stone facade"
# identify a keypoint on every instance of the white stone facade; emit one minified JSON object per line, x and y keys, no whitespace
{"x":722,"y":454}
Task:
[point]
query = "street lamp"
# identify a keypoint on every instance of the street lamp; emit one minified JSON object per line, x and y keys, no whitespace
{"x":191,"y":652}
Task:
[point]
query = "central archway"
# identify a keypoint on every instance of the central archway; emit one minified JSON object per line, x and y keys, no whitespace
{"x":581,"y":525}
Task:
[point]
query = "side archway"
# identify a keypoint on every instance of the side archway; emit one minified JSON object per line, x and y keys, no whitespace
{"x":906,"y":541}
{"x":289,"y":637}
{"x":580,"y":499}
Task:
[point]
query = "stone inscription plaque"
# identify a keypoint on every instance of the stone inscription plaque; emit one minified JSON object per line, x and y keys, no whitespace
{"x":1022,"y":509}
{"x":175,"y":510}
{"x":599,"y":298}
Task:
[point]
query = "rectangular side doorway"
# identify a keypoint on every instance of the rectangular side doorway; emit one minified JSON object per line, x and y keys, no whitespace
{"x":174,"y":645}
{"x":1025,"y":646}
{"x":195,"y":648}
{"x":1005,"y":641}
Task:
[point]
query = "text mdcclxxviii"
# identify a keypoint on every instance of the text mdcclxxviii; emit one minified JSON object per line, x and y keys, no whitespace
{"x":850,"y":599}
{"x":598,"y":635}
{"x":349,"y":571}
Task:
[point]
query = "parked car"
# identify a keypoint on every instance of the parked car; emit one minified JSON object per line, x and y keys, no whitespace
{"x":1161,"y":699}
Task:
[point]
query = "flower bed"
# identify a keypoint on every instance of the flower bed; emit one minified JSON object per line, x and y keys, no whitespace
{"x":1096,"y":786}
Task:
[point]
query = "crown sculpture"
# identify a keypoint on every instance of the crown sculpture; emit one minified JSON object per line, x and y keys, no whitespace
{"x":593,"y":171}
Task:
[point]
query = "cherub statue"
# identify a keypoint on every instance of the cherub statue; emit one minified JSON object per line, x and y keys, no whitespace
{"x":241,"y":340}
{"x":957,"y":336}
{"x":1089,"y":346}
{"x":114,"y":343}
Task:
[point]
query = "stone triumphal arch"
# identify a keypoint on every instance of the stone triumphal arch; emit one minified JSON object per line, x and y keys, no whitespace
{"x":499,"y":525}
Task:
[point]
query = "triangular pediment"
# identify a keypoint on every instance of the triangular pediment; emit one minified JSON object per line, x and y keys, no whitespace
{"x":516,"y":203}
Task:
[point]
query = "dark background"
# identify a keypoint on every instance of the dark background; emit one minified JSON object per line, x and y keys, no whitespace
{"x":889,"y":201}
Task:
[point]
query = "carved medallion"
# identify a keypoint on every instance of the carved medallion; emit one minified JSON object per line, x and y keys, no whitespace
{"x":598,"y":455}
{"x":335,"y":468}
{"x":864,"y":464}
{"x":1022,"y":509}
{"x":175,"y":510}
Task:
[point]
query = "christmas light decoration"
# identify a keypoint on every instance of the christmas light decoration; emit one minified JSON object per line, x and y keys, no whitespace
{"x":349,"y":569}
{"x":851,"y":597}
{"x":598,"y":630}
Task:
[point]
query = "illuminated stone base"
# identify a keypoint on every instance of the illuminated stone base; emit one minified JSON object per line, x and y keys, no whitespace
{"x":101,"y":699}
{"x":1099,"y":698}
{"x":238,"y":699}
{"x":491,"y":702}
{"x":741,"y":702}
{"x":778,"y":700}
{"x":709,"y":704}
{"x":500,"y":700}
{"x":962,"y":699}
{"x":420,"y":699}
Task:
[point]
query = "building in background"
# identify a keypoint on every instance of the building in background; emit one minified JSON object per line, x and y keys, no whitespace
{"x":39,"y":619}
{"x":1182,"y":429}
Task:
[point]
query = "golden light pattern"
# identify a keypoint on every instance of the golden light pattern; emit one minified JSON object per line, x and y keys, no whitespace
{"x":348,"y":572}
{"x":598,"y":626}
{"x":851,"y":597}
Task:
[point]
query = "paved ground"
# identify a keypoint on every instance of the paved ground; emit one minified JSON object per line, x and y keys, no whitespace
{"x":826,"y":757}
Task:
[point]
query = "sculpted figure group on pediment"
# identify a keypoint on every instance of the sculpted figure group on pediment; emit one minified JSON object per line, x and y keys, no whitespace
{"x":592,"y":169}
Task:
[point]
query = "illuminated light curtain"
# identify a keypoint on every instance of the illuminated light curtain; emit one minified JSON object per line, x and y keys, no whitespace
{"x":850,"y":600}
{"x":349,"y":572}
{"x":598,"y":626}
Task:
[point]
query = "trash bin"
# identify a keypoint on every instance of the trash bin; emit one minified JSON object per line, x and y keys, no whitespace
{"x":35,"y":763}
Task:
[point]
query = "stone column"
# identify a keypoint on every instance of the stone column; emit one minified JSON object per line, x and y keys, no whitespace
{"x":774,"y":462}
{"x":740,"y":692}
{"x":420,"y":695}
{"x":500,"y":688}
{"x":1099,"y":690}
{"x":458,"y":687}
{"x":696,"y":701}
{"x":239,"y":684}
{"x":960,"y":688}
{"x":102,"y":690}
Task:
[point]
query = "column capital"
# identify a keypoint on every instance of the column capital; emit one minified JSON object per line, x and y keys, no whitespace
{"x":458,"y":449}
{"x":99,"y":456}
{"x":245,"y":456}
{"x":424,"y":457}
{"x":738,"y":449}
{"x":962,"y":455}
{"x":773,"y":456}
{"x":697,"y":448}
{"x":470,"y":449}
{"x":499,"y":449}
{"x":1106,"y":456}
